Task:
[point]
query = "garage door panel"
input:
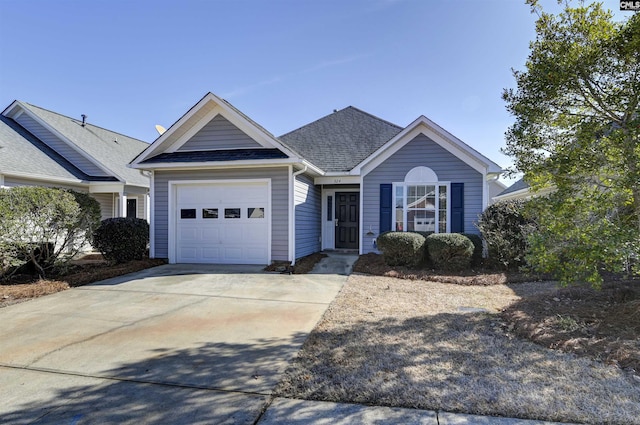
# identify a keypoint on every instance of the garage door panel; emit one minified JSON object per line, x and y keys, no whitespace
{"x":209,"y":237}
{"x":232,"y":233}
{"x":255,"y":253}
{"x":211,"y":253}
{"x":189,"y":234}
{"x":211,"y":234}
{"x":188,"y":254}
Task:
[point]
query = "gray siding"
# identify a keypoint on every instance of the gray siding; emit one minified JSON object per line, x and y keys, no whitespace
{"x":59,"y":146}
{"x":308,"y":216}
{"x":106,"y":204}
{"x":279,"y":203}
{"x":219,"y":133}
{"x":421,"y":151}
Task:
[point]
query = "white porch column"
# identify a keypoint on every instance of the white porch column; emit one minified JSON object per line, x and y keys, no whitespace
{"x":123,"y":205}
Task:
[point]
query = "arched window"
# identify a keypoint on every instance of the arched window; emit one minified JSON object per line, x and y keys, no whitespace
{"x":421,"y":202}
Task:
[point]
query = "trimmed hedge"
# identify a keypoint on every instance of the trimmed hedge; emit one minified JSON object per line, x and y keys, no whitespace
{"x":402,"y":248}
{"x":122,"y":239}
{"x":450,"y":251}
{"x":478,"y":248}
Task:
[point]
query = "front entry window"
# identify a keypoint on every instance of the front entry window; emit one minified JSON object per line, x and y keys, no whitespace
{"x":421,"y":206}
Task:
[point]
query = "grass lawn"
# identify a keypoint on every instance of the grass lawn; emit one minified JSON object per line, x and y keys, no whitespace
{"x":464,"y":348}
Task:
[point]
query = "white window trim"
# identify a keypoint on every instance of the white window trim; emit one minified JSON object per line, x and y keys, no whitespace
{"x":404,"y":185}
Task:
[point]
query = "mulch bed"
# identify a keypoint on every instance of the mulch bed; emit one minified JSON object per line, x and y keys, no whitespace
{"x":303,"y":265}
{"x":374,"y":264}
{"x":602,"y":324}
{"x":90,"y":269}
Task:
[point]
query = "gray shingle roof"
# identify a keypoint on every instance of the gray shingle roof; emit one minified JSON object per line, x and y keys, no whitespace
{"x":518,"y":185}
{"x":340,"y":141}
{"x":22,"y":153}
{"x":99,"y":143}
{"x":223,"y":155}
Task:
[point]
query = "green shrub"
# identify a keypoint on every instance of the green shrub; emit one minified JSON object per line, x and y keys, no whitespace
{"x":506,"y":229}
{"x":122,"y":239}
{"x":43,"y":227}
{"x":450,"y":251}
{"x":402,"y":248}
{"x":478,"y":248}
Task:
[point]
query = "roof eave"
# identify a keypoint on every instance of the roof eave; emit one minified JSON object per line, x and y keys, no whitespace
{"x":215,"y":164}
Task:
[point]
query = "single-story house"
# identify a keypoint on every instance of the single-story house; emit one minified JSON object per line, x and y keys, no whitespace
{"x":43,"y":148}
{"x":225,"y":190}
{"x":520,"y":189}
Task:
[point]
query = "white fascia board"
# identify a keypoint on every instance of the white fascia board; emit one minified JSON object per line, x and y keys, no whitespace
{"x":337,"y":179}
{"x":313,"y":168}
{"x":525,"y":193}
{"x":227,"y":111}
{"x":164,"y":136}
{"x":220,"y":164}
{"x":9,"y":111}
{"x":64,"y":139}
{"x":522,"y":193}
{"x":422,"y":125}
{"x":106,"y":187}
{"x":235,"y":119}
{"x":32,"y":176}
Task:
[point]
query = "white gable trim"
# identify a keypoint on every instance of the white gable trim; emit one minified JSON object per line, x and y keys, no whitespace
{"x":423,"y":125}
{"x":16,"y":109}
{"x":223,"y":108}
{"x":243,"y":126}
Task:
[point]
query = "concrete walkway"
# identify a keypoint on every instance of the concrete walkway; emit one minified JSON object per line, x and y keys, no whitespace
{"x":178,"y":344}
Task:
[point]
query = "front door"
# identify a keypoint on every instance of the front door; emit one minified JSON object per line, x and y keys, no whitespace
{"x":347,"y":214}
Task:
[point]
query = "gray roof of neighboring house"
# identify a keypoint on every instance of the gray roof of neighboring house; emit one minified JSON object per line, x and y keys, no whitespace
{"x":340,"y":141}
{"x":518,"y":185}
{"x":113,"y":150}
{"x":21,"y":153}
{"x":223,"y":155}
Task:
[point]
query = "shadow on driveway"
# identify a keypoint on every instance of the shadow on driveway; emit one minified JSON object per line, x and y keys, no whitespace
{"x":201,"y":385}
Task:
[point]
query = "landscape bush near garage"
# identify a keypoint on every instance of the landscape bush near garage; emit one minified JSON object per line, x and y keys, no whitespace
{"x":44,"y":228}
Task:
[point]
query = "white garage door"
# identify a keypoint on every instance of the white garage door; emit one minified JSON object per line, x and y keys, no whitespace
{"x":222,"y":223}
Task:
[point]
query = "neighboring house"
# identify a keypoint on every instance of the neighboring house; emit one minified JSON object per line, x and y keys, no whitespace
{"x":520,"y":190}
{"x":225,"y":190}
{"x":42,"y":148}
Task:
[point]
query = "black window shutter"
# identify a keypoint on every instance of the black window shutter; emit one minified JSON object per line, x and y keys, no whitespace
{"x":457,"y":207}
{"x":386,"y":206}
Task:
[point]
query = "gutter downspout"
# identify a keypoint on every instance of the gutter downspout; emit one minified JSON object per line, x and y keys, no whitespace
{"x":293,"y":213}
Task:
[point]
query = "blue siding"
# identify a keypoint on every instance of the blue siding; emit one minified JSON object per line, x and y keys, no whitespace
{"x":219,"y":133}
{"x":279,"y":203}
{"x":308,"y":216}
{"x":421,"y":151}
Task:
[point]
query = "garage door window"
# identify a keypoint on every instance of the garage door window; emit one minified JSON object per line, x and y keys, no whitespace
{"x":232,"y":213}
{"x":188,"y":213}
{"x":255,"y":212}
{"x":209,"y":213}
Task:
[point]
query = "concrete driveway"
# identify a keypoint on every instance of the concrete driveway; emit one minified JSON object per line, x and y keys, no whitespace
{"x":174,"y":344}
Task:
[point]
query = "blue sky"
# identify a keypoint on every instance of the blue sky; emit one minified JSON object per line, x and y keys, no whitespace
{"x":129,"y":65}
